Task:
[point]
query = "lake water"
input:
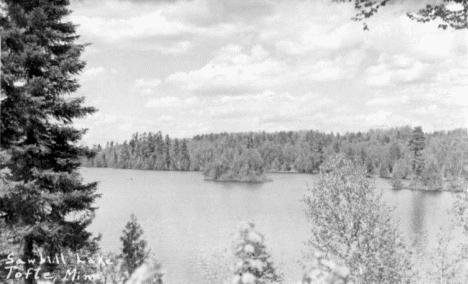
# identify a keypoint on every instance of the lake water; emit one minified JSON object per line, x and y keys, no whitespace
{"x":186,"y":219}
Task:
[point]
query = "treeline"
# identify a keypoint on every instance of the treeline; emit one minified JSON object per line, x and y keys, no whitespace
{"x":402,"y":153}
{"x":147,"y":151}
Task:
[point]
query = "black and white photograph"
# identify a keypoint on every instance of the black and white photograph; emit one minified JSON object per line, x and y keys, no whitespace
{"x":234,"y":142}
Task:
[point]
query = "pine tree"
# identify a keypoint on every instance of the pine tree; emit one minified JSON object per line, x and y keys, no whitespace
{"x":160,"y":161}
{"x":176,"y":156}
{"x":254,"y":262}
{"x":134,"y":251}
{"x":416,"y":145}
{"x":167,"y":152}
{"x":40,"y":61}
{"x":185,"y":157}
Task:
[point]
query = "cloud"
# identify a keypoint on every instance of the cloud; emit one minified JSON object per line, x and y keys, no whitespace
{"x":388,"y":101}
{"x":114,"y":29}
{"x":169,"y":27}
{"x":93,"y":71}
{"x":299,"y":28}
{"x":96,"y":73}
{"x":343,"y":66}
{"x":147,"y":83}
{"x":378,"y":118}
{"x":146,"y":86}
{"x":171,"y":48}
{"x":269,"y":103}
{"x":165,"y":118}
{"x":232,"y":71}
{"x":164,"y":102}
{"x":236,"y":70}
{"x":171,"y":102}
{"x":395,"y":69}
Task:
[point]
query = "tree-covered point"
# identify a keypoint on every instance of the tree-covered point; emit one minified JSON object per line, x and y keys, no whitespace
{"x":438,"y":159}
{"x":239,"y":165}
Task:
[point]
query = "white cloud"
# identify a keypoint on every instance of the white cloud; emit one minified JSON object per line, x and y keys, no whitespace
{"x":171,"y":48}
{"x":172,"y":102}
{"x":97,"y":73}
{"x":165,"y":118}
{"x":93,"y":73}
{"x":424,"y":110}
{"x":235,"y":70}
{"x":147,"y":83}
{"x":268,"y":104}
{"x":231,"y":70}
{"x":169,"y":28}
{"x":300,"y":29}
{"x":146,"y":86}
{"x":164,"y":102}
{"x":395,"y":69}
{"x":343,"y":66}
{"x":378,"y":118}
{"x":114,"y":29}
{"x":388,"y":101}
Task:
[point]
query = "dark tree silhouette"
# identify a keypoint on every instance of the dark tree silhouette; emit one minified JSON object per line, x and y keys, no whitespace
{"x":134,"y":251}
{"x":47,"y":206}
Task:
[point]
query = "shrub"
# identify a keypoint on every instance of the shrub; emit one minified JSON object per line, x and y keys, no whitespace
{"x":254,"y":264}
{"x":349,"y":222}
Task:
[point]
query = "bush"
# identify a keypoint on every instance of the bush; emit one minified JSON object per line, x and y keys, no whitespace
{"x":432,"y":175}
{"x":350,"y":222}
{"x":254,"y":264}
{"x":325,"y":271}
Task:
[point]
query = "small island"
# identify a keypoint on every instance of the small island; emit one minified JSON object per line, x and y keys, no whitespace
{"x":245,"y":165}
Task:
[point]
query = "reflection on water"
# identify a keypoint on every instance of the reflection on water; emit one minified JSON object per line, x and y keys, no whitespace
{"x":417,"y":217}
{"x":185,"y":217}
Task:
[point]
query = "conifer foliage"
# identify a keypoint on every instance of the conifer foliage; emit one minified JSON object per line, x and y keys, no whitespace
{"x":48,"y":205}
{"x":255,"y":265}
{"x":134,"y":251}
{"x":416,"y":145}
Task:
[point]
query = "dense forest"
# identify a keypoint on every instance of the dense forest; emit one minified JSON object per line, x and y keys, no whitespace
{"x":435,"y":159}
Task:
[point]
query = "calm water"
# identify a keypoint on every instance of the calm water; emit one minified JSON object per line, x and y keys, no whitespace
{"x":186,"y":218}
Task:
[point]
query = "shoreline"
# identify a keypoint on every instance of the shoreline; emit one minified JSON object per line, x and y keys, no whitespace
{"x":388,"y":179}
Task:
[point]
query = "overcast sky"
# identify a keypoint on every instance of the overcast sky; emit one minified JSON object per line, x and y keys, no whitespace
{"x":200,"y":66}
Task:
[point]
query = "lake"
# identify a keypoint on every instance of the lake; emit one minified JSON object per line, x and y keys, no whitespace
{"x":186,"y":219}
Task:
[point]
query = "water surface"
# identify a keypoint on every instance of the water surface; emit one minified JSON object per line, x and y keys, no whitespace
{"x":185,"y":218}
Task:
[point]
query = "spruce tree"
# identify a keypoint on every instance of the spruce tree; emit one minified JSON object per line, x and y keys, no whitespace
{"x":176,"y":156}
{"x":167,"y":152}
{"x":416,"y":145}
{"x":47,"y":206}
{"x":185,"y":157}
{"x":134,"y":251}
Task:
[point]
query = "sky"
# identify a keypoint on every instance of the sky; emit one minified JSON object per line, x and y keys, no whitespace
{"x":188,"y":67}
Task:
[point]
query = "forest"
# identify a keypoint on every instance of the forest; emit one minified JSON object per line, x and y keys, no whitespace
{"x":407,"y":156}
{"x":46,"y":207}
